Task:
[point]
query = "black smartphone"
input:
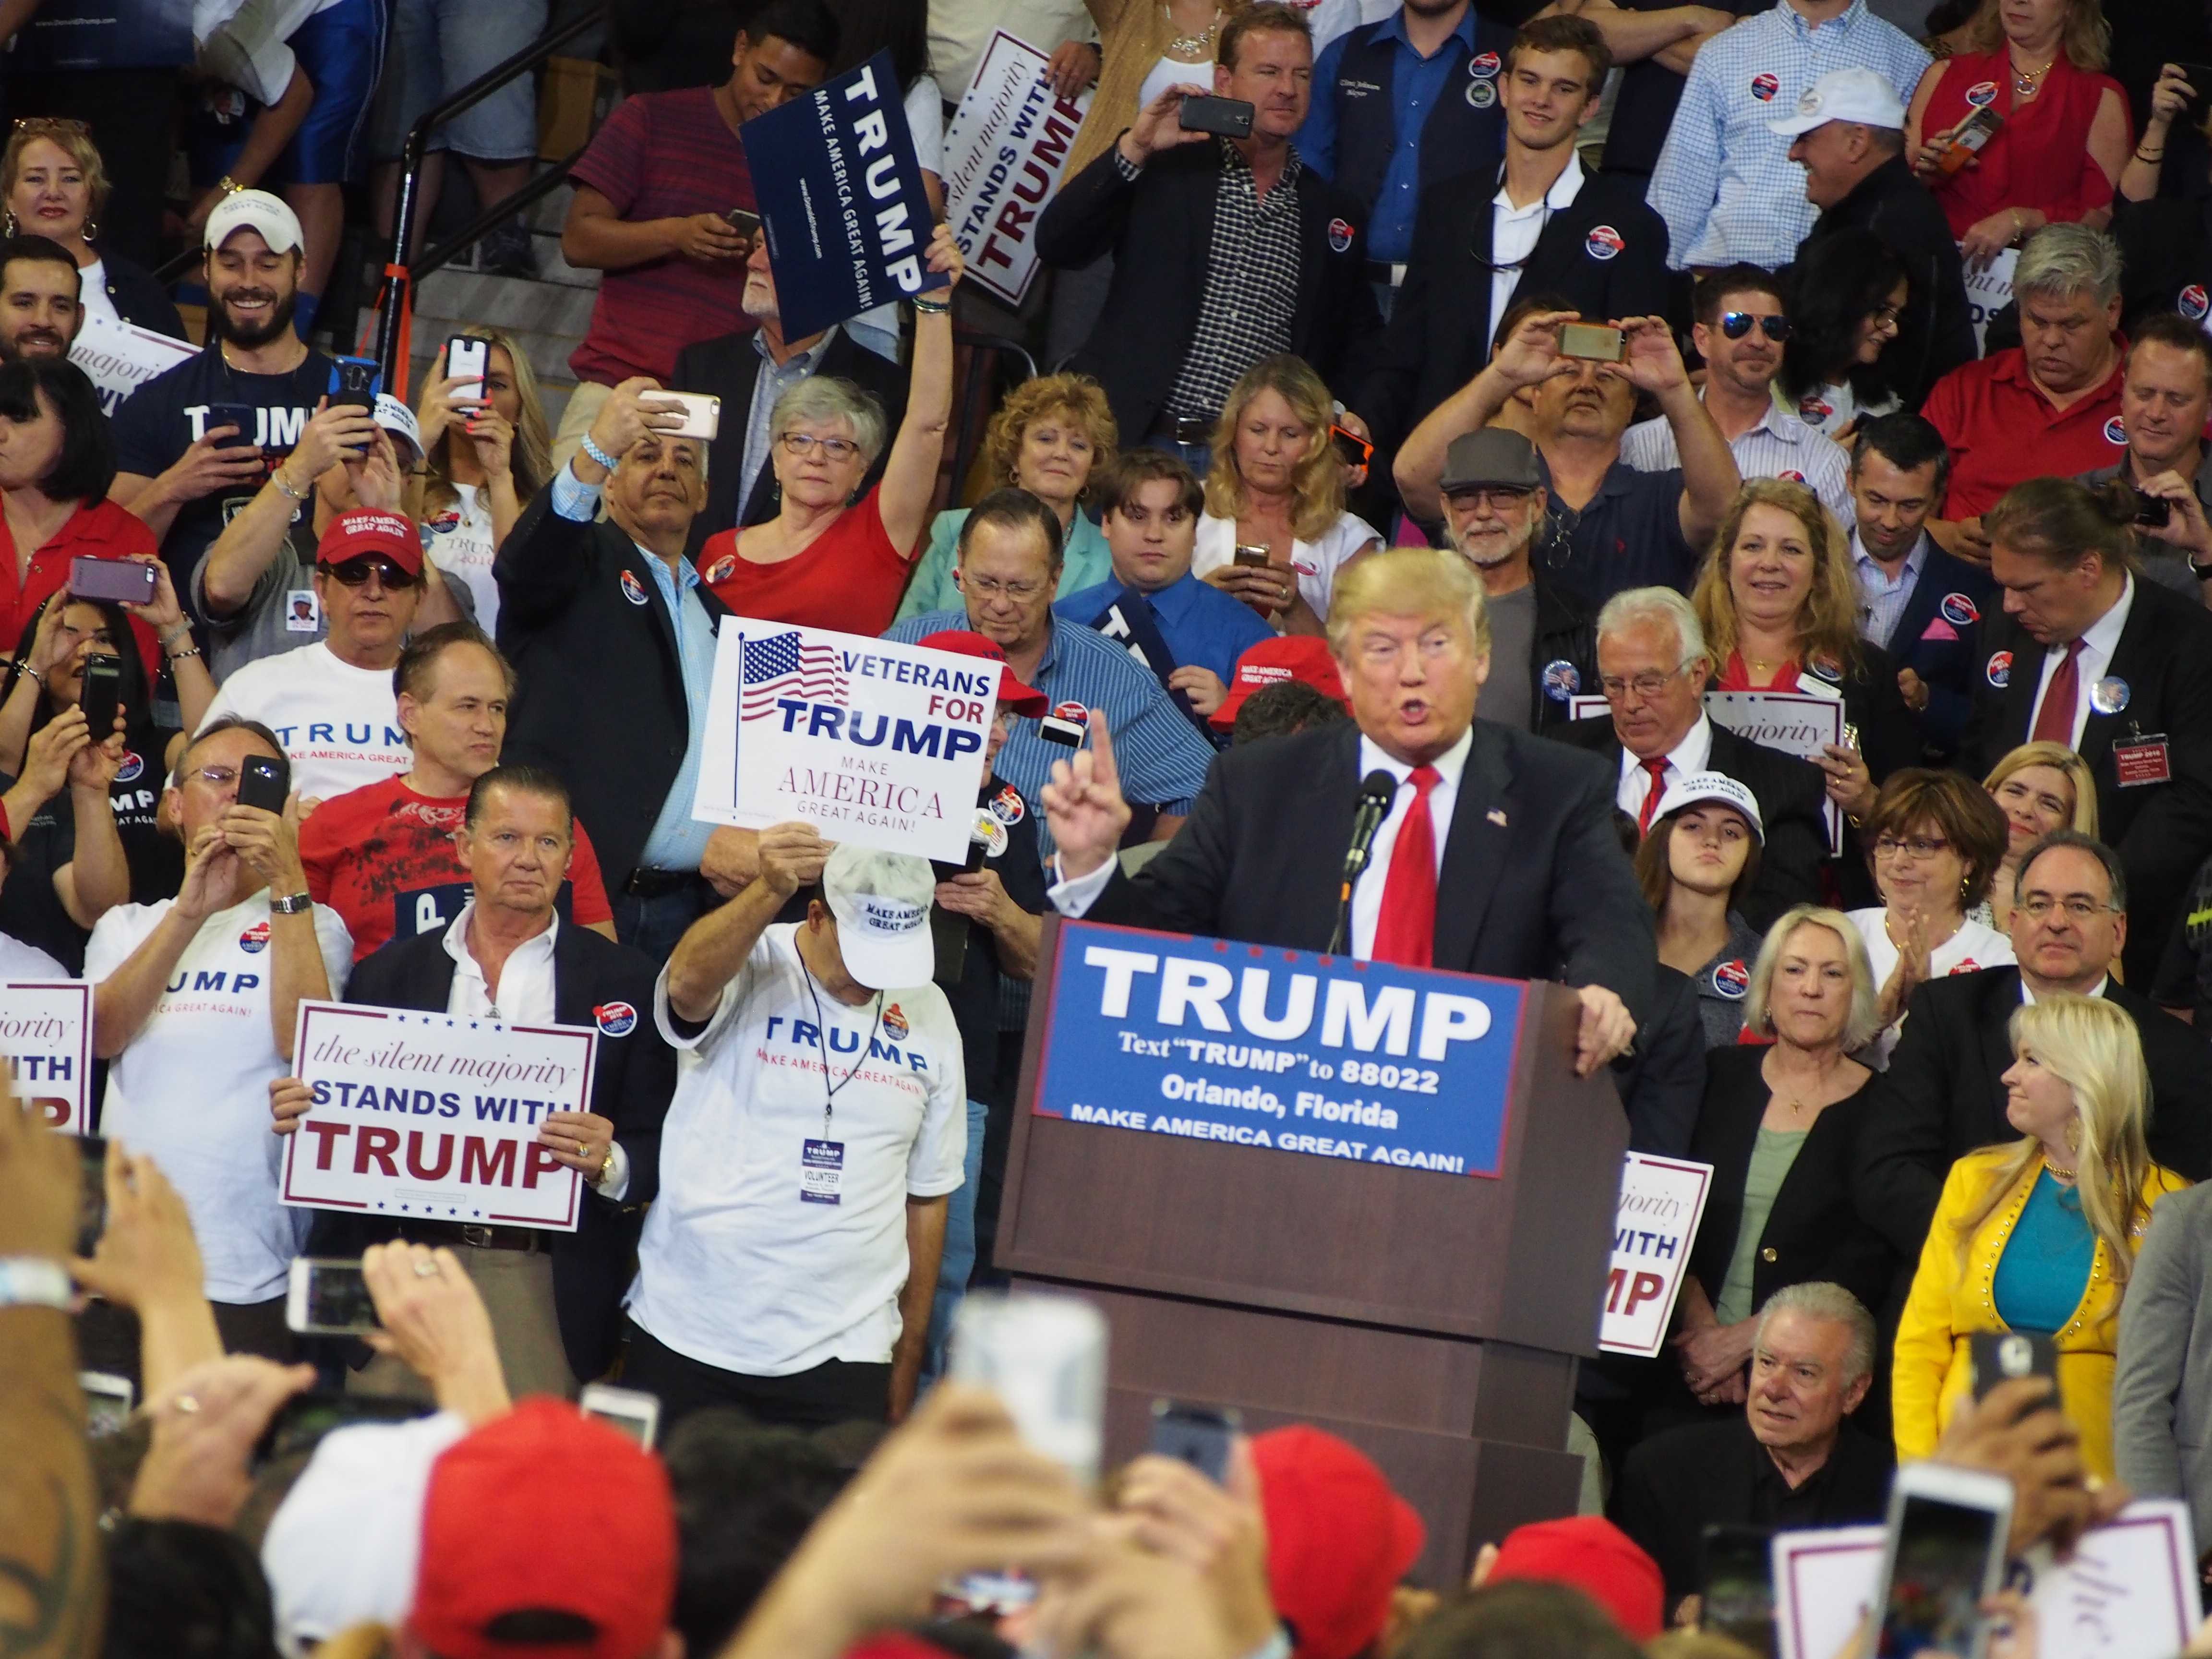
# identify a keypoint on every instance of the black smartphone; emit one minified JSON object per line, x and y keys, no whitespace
{"x":1998,"y":1357}
{"x":1196,"y":1435}
{"x":1231,"y":118}
{"x":301,"y":1421}
{"x":2152,"y":511}
{"x":102,"y":695}
{"x":745,"y":221}
{"x":125,"y":581}
{"x":261,"y":783}
{"x":1736,"y":1596}
{"x":355,"y":381}
{"x":92,"y":1191}
{"x":2199,"y":76}
{"x":244,"y":416}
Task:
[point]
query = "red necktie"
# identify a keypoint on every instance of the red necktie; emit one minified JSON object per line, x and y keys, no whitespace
{"x":2054,"y":720}
{"x":1657,"y":768}
{"x":1405,"y":932}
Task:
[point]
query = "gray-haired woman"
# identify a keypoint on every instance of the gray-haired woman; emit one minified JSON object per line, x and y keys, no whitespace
{"x":827,"y":560}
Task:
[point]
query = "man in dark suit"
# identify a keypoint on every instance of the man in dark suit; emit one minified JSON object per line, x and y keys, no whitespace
{"x":1943,"y":1094}
{"x":1516,"y":872}
{"x":1202,"y":289}
{"x":2117,"y":669}
{"x":749,"y":371}
{"x":612,"y":637}
{"x":1587,"y":239}
{"x":1652,"y":666}
{"x":554,"y":1298}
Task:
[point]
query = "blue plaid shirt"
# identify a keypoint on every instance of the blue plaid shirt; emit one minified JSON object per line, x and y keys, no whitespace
{"x":1726,"y":185}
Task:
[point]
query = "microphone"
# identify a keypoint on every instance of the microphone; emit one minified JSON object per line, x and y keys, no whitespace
{"x":1377,"y":790}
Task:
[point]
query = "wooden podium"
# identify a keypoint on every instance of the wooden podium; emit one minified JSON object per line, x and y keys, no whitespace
{"x":1432,"y":1320}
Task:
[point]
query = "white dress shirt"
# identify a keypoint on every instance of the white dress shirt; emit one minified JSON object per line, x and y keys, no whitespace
{"x":1514,"y":231}
{"x":1692,"y":754}
{"x":2028,"y":992}
{"x":525,"y":998}
{"x":2099,"y":640}
{"x":1073,"y":897}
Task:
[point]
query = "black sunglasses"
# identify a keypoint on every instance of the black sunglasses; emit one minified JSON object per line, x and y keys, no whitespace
{"x":1737,"y":323}
{"x":355,"y":573}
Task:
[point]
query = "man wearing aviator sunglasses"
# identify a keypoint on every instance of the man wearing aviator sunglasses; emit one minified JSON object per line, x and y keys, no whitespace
{"x":1741,"y":331}
{"x":331,"y":703}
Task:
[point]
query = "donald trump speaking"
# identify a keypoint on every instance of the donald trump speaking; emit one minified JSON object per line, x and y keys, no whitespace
{"x":1466,"y":845}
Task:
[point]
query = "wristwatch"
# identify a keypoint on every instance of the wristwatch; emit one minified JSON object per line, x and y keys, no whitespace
{"x":33,"y":1281}
{"x":2201,"y":572}
{"x":291,"y":904}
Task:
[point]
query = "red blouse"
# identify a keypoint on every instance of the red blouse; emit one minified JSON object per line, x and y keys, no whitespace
{"x":101,"y":531}
{"x":850,"y":580}
{"x":2038,"y":158}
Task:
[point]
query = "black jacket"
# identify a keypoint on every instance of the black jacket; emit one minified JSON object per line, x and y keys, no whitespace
{"x":1812,"y":1233}
{"x":1661,"y":1082}
{"x":1938,"y":637}
{"x":1534,"y":884}
{"x":1438,"y":336}
{"x":1160,"y":231}
{"x":1941,"y":1097}
{"x":1935,"y":333}
{"x":631,"y":1082}
{"x":602,"y":700}
{"x":2160,"y":830}
{"x":1791,"y":793}
{"x":728,"y":366}
{"x":1567,"y":632}
{"x":139,"y":299}
{"x":2165,"y":246}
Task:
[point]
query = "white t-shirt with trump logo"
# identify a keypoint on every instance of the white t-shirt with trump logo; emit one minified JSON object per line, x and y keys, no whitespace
{"x":779,"y":1242}
{"x":191,"y":1090}
{"x":339,"y":724}
{"x":457,"y":540}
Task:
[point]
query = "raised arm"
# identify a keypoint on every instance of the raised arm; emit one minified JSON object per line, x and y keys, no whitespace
{"x":911,"y":475}
{"x":1709,"y":478}
{"x":268,"y":844}
{"x":710,"y":955}
{"x":241,"y":556}
{"x":1531,"y":355}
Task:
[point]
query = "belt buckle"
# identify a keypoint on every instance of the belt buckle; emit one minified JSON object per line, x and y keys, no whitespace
{"x":476,"y":1237}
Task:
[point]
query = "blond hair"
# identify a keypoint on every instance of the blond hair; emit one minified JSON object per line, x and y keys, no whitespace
{"x":1075,"y":395}
{"x":2085,"y":37}
{"x":1407,"y":581}
{"x":1864,"y":1018}
{"x":74,"y":141}
{"x":1827,"y":624}
{"x":531,"y":459}
{"x":2059,"y":758}
{"x":1317,"y":479}
{"x":2092,"y":1046}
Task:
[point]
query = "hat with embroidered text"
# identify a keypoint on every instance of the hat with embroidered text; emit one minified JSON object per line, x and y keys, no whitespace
{"x":397,"y":419}
{"x":1844,"y":94}
{"x":1293,"y":657}
{"x":1022,"y":699}
{"x":881,"y":901}
{"x":363,"y":532}
{"x":256,"y":210}
{"x":1717,"y":787}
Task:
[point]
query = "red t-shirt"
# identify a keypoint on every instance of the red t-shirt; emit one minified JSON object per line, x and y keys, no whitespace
{"x":100,"y":531}
{"x":2038,"y":158}
{"x":850,"y":580}
{"x":2002,"y":431}
{"x":383,"y":858}
{"x":663,"y":156}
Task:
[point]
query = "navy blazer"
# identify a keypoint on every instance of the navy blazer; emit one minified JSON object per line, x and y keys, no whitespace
{"x":1939,"y":638}
{"x":634,"y":1077}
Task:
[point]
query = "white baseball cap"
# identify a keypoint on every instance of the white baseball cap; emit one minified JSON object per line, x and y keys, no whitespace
{"x":1702,"y":787}
{"x":881,"y":901}
{"x":258,"y":211}
{"x":396,"y":418}
{"x":1844,"y":94}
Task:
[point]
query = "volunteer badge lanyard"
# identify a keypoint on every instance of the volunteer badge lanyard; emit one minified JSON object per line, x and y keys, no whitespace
{"x":822,"y":1163}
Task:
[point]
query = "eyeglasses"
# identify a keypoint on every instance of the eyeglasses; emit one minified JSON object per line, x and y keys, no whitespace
{"x":355,"y":573}
{"x":1498,"y":496}
{"x":803,"y":444}
{"x":1921,"y":848}
{"x":990,"y":587}
{"x":1646,"y":685}
{"x":216,"y":777}
{"x":1885,"y":313}
{"x":1737,"y":323}
{"x":2077,"y":909}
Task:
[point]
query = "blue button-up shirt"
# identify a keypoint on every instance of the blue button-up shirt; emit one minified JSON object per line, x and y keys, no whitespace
{"x":1882,"y":601}
{"x":1416,"y":83}
{"x":1724,"y":183}
{"x":678,"y":841}
{"x":1202,"y":625}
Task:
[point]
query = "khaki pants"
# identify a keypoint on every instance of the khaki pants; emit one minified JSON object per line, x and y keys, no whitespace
{"x":517,"y":1287}
{"x":585,"y":404}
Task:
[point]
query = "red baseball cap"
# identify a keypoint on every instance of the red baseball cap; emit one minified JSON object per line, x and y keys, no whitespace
{"x":1270,"y":662}
{"x":1338,"y":1539}
{"x":367,"y":531}
{"x":501,"y":1504}
{"x":1588,"y":1553}
{"x":1022,"y":699}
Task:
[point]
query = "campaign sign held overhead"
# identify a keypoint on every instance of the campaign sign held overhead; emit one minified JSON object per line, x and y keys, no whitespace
{"x":1284,"y":1049}
{"x":839,"y":191}
{"x":1005,"y":155}
{"x":869,"y":741}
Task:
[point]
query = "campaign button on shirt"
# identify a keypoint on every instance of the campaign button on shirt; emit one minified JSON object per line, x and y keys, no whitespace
{"x":1481,"y":93}
{"x":1764,"y":87}
{"x":633,"y":590}
{"x":2193,"y":303}
{"x":1732,"y":980}
{"x":2109,"y":696}
{"x":1603,"y":242}
{"x":1483,"y":65}
{"x":1982,"y":94}
{"x":1561,"y":679}
{"x":2115,"y":431}
{"x":1999,"y":671}
{"x":1339,"y":235}
{"x":615,"y":1019}
{"x":1958,"y":611}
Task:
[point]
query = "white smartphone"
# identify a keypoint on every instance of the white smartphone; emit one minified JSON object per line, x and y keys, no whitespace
{"x":468,"y":359}
{"x":1944,"y":1556}
{"x":328,"y":1298}
{"x":1045,"y":1357}
{"x":636,"y":1413}
{"x":702,"y":414}
{"x":107,"y":1402}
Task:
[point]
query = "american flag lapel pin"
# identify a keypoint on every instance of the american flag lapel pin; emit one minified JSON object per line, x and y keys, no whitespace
{"x":1497,"y":817}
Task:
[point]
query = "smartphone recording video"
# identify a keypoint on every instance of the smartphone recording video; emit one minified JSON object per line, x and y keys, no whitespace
{"x":1945,"y":1556}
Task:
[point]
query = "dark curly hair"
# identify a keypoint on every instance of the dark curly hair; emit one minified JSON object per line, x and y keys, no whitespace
{"x":1835,"y":284}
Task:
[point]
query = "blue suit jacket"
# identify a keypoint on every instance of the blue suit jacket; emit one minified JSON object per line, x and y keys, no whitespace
{"x":1934,"y":643}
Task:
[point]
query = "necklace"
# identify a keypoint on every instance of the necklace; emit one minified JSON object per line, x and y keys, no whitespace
{"x":1191,"y":47}
{"x":2025,"y":81}
{"x":2058,"y":1171}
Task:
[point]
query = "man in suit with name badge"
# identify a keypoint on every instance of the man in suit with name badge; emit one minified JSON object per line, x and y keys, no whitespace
{"x":2118,"y":670}
{"x":1489,"y":851}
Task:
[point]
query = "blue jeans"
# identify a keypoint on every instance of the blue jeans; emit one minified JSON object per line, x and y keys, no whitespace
{"x":656,"y":925}
{"x":959,"y":1258}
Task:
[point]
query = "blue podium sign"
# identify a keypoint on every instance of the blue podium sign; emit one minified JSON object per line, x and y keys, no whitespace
{"x":1263,"y":1047}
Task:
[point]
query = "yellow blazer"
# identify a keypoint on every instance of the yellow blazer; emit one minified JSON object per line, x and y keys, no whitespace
{"x":1931,"y":1375}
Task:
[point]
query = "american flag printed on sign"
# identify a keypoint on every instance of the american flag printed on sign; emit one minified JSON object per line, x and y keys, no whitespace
{"x":778,"y":666}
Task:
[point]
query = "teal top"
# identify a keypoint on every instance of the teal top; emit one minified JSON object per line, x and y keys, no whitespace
{"x":1772,"y":1155}
{"x":1085,"y":562}
{"x":2044,"y":1270}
